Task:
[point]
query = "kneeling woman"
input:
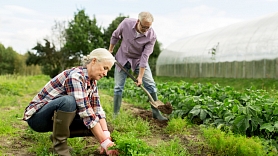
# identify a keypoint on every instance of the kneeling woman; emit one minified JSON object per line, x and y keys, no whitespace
{"x":69,"y":104}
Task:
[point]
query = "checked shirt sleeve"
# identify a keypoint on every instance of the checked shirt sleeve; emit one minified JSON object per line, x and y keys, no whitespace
{"x":75,"y":86}
{"x":95,"y":102}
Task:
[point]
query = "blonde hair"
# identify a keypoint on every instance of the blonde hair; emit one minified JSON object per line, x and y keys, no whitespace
{"x":101,"y":54}
{"x":145,"y":16}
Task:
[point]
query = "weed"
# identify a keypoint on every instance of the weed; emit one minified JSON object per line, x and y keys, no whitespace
{"x":229,"y":144}
{"x":177,"y":126}
{"x":171,"y":148}
{"x":125,"y":122}
{"x":129,"y":145}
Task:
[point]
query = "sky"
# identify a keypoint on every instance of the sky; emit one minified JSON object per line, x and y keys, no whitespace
{"x":23,"y":23}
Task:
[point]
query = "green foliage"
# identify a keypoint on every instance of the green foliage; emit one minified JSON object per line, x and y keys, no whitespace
{"x":15,"y":130}
{"x":125,"y":122}
{"x":129,"y":145}
{"x":15,"y":85}
{"x":229,"y":144}
{"x":177,"y":126}
{"x":47,"y":57}
{"x":239,"y":84}
{"x":244,"y":112}
{"x":250,"y":112}
{"x":171,"y":148}
{"x":5,"y":128}
{"x":9,"y":60}
{"x":82,"y":36}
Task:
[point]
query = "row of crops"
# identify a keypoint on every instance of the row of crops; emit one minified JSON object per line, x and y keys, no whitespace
{"x":251,"y":112}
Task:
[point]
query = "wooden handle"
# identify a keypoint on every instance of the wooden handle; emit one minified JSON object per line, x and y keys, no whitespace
{"x":132,"y":77}
{"x":135,"y":80}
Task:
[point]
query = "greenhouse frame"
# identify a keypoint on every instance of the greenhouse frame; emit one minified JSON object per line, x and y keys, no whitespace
{"x":243,"y":50}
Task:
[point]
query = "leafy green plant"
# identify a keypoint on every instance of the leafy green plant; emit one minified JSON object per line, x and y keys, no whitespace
{"x":130,"y":145}
{"x":177,"y":126}
{"x":229,"y":144}
{"x":171,"y":148}
{"x":243,"y":112}
{"x":251,"y":112}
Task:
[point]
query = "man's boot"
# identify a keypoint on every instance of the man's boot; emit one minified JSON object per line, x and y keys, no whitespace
{"x":117,"y":105}
{"x":156,"y":112}
{"x":61,"y":123}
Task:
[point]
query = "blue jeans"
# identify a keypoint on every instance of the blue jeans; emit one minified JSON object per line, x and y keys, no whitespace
{"x":120,"y":78}
{"x":42,"y":121}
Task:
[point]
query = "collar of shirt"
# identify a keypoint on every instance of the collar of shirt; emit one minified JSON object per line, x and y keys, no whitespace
{"x":91,"y":84}
{"x":85,"y":71}
{"x":136,"y":36}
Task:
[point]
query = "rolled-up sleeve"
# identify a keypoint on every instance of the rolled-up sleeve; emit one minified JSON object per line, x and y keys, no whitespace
{"x":117,"y":34}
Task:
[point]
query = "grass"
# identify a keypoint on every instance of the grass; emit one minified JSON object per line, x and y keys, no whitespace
{"x":17,"y":91}
{"x":125,"y":121}
{"x":171,"y":148}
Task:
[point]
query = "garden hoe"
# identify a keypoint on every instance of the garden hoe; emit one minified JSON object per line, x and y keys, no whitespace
{"x":164,"y":108}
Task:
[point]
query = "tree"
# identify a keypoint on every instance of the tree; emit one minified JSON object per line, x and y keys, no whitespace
{"x":52,"y":59}
{"x":8,"y":60}
{"x":46,"y":56}
{"x":82,"y":36}
{"x":59,"y":39}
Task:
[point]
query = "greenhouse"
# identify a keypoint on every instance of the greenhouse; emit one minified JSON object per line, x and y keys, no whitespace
{"x":243,"y":50}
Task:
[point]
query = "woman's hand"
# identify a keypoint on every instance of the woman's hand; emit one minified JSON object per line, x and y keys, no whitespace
{"x":106,"y":144}
{"x":107,"y":134}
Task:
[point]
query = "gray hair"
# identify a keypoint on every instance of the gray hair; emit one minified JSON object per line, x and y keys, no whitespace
{"x":100,"y":54}
{"x":145,"y":16}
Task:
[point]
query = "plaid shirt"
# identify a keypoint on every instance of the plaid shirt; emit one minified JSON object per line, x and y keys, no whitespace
{"x":74,"y":82}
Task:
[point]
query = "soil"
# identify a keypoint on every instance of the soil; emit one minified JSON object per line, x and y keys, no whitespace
{"x":192,"y":142}
{"x":165,"y":108}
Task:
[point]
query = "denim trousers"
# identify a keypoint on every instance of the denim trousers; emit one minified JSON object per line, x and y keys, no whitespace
{"x":120,"y":79}
{"x":42,"y":121}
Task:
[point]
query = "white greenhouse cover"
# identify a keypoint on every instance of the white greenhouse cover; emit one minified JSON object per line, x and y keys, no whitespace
{"x":246,"y":41}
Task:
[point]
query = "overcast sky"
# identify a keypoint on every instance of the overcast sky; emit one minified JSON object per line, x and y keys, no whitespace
{"x":23,"y":23}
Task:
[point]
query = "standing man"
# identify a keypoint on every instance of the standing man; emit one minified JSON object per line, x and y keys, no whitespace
{"x":138,"y":39}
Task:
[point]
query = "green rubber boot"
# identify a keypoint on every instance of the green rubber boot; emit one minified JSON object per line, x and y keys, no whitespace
{"x":61,"y":131}
{"x":156,"y":112}
{"x":117,"y":105}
